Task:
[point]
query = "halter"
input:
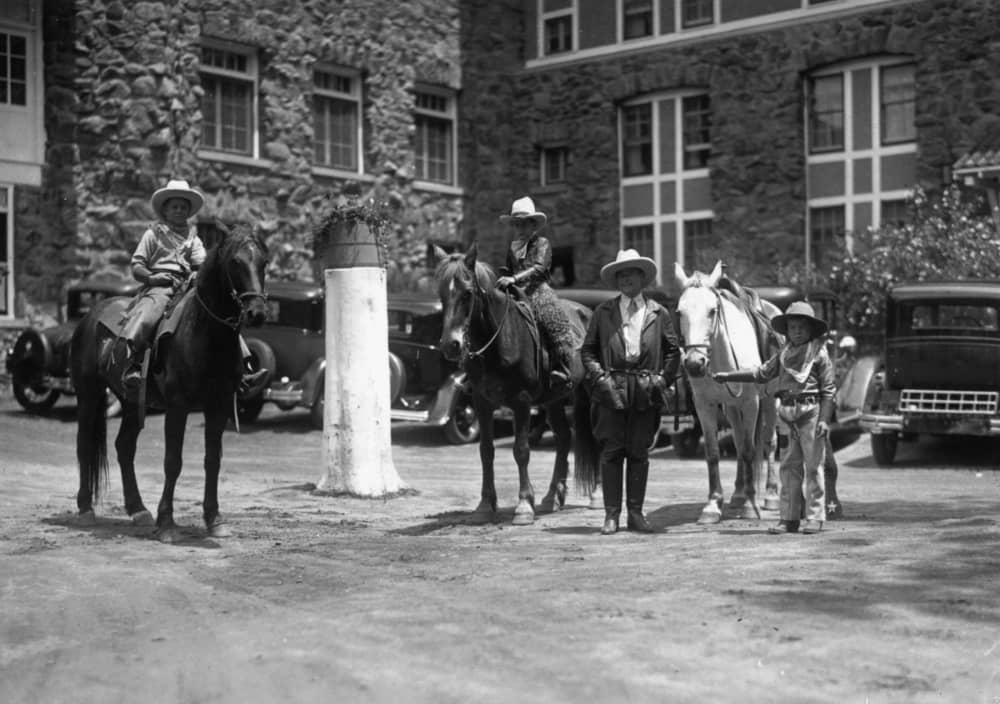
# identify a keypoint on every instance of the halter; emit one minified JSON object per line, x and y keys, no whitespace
{"x":720,"y":319}
{"x":481,"y":295}
{"x":242,"y":302}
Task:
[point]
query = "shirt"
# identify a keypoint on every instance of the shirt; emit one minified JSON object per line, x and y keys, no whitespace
{"x":162,"y":250}
{"x":632,"y":323}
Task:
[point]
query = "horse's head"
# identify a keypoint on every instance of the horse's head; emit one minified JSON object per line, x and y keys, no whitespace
{"x":461,"y":281}
{"x":236,"y":268}
{"x":698,"y":311}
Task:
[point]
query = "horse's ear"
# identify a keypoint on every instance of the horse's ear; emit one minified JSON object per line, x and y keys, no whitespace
{"x":679,"y":276}
{"x":435,"y":255}
{"x":470,"y":256}
{"x":713,"y":278}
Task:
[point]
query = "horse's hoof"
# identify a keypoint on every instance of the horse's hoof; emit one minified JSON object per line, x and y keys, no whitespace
{"x":142,"y":518}
{"x":87,"y":518}
{"x":771,"y":504}
{"x":748,"y":512}
{"x":597,"y":499}
{"x":169,"y":535}
{"x":220,"y":530}
{"x":523,"y":519}
{"x":480,"y":518}
{"x":737,"y":503}
{"x":548,"y":506}
{"x":708,"y":518}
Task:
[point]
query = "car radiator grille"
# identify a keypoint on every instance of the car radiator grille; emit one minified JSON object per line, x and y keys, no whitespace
{"x":933,"y":401}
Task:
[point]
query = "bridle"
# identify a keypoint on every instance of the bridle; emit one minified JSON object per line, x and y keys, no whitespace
{"x":242,"y":301}
{"x":719,"y":321}
{"x":479,"y":296}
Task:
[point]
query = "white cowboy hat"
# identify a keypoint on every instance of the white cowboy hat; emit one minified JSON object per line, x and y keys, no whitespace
{"x":799,"y":309}
{"x":177,"y":189}
{"x":628,"y":259}
{"x":524,"y":208}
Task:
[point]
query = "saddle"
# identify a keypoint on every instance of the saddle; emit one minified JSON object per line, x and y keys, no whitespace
{"x":749,"y":301}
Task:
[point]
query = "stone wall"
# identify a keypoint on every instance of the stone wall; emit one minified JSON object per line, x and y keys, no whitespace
{"x":755,"y":85}
{"x":123,"y":117}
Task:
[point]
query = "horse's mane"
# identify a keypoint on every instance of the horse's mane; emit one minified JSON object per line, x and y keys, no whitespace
{"x":453,"y":268}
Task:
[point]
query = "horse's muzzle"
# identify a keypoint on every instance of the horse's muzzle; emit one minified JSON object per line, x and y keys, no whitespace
{"x":696,"y":364}
{"x":452,"y":350}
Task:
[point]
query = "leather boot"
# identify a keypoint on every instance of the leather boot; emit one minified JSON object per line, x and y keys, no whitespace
{"x":132,"y":377}
{"x":635,"y":488}
{"x":560,"y":377}
{"x":611,"y":485}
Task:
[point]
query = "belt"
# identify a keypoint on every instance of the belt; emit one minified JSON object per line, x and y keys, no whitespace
{"x":793,"y":400}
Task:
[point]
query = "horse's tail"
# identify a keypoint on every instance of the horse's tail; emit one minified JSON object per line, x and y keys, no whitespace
{"x":91,"y":413}
{"x":586,"y":450}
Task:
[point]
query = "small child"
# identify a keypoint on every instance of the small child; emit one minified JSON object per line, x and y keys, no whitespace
{"x":805,"y":390}
{"x":166,"y":256}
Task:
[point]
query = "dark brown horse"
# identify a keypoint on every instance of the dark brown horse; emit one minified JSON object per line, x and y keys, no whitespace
{"x":197,"y":366}
{"x":493,"y":335}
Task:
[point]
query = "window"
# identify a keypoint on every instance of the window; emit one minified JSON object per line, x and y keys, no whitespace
{"x":826,"y":113}
{"x":337,"y":120}
{"x":640,"y":238}
{"x":826,"y":227}
{"x":860,"y":146}
{"x":697,"y":120}
{"x":637,"y":139}
{"x":697,"y":239}
{"x":898,"y":103}
{"x":229,"y":79}
{"x":638,"y":19}
{"x":554,"y":165}
{"x":558,"y":34}
{"x":696,"y":13}
{"x":13,"y":69}
{"x":435,"y":137}
{"x":666,"y":194}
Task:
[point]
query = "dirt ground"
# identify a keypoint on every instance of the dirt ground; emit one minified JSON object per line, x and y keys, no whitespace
{"x":320,"y":599}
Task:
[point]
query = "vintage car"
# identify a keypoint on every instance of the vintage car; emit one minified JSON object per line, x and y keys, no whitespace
{"x":38,"y":363}
{"x":424,"y":386}
{"x":940,"y":370}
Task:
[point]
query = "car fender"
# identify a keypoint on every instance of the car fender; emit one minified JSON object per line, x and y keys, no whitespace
{"x":853,"y":389}
{"x":313,"y":382}
{"x":32,"y":353}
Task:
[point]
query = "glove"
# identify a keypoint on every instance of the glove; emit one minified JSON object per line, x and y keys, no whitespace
{"x":505,"y":282}
{"x":161,"y":280}
{"x":607,"y":395}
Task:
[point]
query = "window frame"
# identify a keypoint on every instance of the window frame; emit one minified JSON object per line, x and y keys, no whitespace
{"x":693,"y":238}
{"x":908,"y":105}
{"x":647,"y":14}
{"x":354,"y":99}
{"x":448,"y":115}
{"x":834,"y":132}
{"x":560,"y":154}
{"x":251,"y":78}
{"x":642,"y":142}
{"x":701,"y":19}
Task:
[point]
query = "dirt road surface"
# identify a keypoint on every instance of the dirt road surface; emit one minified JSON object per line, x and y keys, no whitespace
{"x":320,"y":599}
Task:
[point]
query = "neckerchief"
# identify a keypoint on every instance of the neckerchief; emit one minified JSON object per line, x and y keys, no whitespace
{"x":797,"y":360}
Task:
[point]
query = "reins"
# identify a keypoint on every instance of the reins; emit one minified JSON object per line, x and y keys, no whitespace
{"x":481,"y":296}
{"x":720,"y":319}
{"x":233,"y":323}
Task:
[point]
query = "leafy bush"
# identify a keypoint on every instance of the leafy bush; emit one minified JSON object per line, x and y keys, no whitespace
{"x":948,"y":236}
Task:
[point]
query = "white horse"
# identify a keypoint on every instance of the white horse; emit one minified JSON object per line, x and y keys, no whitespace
{"x":718,"y":335}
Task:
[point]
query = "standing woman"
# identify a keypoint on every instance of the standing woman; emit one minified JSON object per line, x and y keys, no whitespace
{"x":630,"y":356}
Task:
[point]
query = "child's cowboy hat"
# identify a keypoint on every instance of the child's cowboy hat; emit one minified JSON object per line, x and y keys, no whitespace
{"x":799,"y":309}
{"x":524,"y":209}
{"x":177,"y":189}
{"x":628,"y":259}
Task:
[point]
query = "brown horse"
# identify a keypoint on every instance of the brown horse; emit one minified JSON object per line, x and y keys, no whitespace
{"x":494,"y":336}
{"x":196,"y":367}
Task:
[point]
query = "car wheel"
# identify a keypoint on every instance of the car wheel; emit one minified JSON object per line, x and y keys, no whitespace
{"x":33,"y":398}
{"x":686,"y":443}
{"x":884,"y":448}
{"x":463,"y":425}
{"x":261,"y":357}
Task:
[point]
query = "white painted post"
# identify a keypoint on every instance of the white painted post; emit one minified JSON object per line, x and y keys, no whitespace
{"x":357,"y":440}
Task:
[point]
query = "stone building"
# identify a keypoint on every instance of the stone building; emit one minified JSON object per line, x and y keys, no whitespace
{"x":762,"y":132}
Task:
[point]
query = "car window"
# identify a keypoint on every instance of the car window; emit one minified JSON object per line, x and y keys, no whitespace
{"x":306,"y":315}
{"x":80,"y":303}
{"x":955,"y":317}
{"x":425,"y":329}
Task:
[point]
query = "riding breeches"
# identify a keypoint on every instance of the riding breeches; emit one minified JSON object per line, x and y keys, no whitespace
{"x":555,"y":324}
{"x":144,"y":313}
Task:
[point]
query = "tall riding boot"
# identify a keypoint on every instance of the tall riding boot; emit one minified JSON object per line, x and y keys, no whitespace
{"x":132,"y":377}
{"x":635,"y":488}
{"x":611,"y":484}
{"x":560,"y":373}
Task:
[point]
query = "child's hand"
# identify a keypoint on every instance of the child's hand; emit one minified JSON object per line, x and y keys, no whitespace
{"x":161,"y":280}
{"x":822,"y":428}
{"x":505,"y":282}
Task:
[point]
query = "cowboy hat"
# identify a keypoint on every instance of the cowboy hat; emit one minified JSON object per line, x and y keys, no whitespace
{"x":524,"y":208}
{"x":628,"y":259}
{"x":799,"y":309}
{"x":177,"y":189}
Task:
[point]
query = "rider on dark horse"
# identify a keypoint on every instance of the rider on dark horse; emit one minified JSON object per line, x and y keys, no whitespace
{"x":529,"y":262}
{"x":166,"y":256}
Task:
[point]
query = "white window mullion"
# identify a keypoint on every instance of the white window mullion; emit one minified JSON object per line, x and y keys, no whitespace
{"x":849,"y":153}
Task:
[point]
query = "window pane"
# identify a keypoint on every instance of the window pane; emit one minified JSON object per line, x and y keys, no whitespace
{"x":696,"y":13}
{"x":210,"y":120}
{"x":640,"y":238}
{"x":554,"y":165}
{"x":336,"y":125}
{"x":558,"y":34}
{"x":638,"y":20}
{"x":433,"y":150}
{"x":637,"y":139}
{"x":13,"y":69}
{"x":697,"y":119}
{"x":895,"y":212}
{"x":826,"y":114}
{"x":898,"y":105}
{"x":697,"y":240}
{"x":826,"y":227}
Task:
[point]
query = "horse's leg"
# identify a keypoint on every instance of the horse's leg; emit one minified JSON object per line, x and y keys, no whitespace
{"x":486,"y":510}
{"x":125,"y":445}
{"x":769,"y":443}
{"x":743,"y":420}
{"x":555,"y":499}
{"x":173,"y":430}
{"x":708,"y":417}
{"x":524,"y":512}
{"x":215,"y":424}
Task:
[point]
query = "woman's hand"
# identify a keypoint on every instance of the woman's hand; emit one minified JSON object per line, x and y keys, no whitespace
{"x":505,"y":282}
